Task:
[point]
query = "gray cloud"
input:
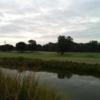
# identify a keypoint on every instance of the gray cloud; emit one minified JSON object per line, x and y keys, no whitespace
{"x":44,"y":20}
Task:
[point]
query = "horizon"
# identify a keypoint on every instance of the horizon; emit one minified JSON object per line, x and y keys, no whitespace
{"x":6,"y":42}
{"x":45,"y":20}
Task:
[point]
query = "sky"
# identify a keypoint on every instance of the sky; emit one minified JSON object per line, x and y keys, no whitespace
{"x":45,"y":20}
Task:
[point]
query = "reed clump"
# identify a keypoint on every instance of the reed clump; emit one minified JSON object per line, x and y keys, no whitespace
{"x":24,"y":88}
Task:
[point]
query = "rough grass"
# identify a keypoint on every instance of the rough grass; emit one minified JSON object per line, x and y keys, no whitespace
{"x":26,"y":88}
{"x":93,"y":58}
{"x":21,"y":64}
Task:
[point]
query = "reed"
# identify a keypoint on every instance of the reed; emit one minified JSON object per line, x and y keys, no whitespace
{"x":24,"y":88}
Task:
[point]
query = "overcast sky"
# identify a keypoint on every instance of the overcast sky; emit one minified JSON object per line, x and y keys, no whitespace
{"x":45,"y":20}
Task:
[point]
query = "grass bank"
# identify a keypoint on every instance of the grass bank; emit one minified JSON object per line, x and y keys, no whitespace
{"x":21,"y":64}
{"x":26,"y":88}
{"x":90,"y":58}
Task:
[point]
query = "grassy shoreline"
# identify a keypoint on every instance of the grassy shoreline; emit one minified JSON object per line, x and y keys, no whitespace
{"x":21,"y":64}
{"x":48,"y":62}
{"x":90,"y":58}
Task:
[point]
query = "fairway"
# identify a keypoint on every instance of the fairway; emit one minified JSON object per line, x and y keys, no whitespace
{"x":71,"y":56}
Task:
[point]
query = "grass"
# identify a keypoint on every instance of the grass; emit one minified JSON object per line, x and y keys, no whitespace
{"x":16,"y":89}
{"x":21,"y":64}
{"x":26,"y":88}
{"x":92,"y":58}
{"x":77,"y":63}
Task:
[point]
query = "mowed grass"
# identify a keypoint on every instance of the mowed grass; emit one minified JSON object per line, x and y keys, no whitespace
{"x":70,"y":56}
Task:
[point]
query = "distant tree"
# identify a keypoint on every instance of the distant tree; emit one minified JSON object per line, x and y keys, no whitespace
{"x":69,"y":38}
{"x":32,"y":45}
{"x":50,"y":46}
{"x":7,"y":47}
{"x":64,"y":44}
{"x":93,"y":46}
{"x":61,"y":44}
{"x":39,"y":47}
{"x":21,"y":46}
{"x":69,"y":43}
{"x":32,"y":42}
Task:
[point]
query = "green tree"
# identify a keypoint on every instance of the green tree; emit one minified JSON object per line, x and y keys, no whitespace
{"x":32,"y":45}
{"x":61,"y":44}
{"x":7,"y":47}
{"x":64,"y":44}
{"x":21,"y":46}
{"x":69,"y":43}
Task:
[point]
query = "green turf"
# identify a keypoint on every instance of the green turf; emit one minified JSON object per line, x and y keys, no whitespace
{"x":76,"y":57}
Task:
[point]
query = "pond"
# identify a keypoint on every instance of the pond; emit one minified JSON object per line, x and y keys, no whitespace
{"x":77,"y":87}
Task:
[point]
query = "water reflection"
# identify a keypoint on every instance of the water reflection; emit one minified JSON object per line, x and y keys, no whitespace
{"x":78,"y":87}
{"x":61,"y":75}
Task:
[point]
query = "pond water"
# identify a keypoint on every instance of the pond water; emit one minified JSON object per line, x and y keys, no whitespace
{"x":77,"y":87}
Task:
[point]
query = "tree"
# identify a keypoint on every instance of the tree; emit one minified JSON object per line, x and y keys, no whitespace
{"x":69,"y":43}
{"x":32,"y":45}
{"x":21,"y":46}
{"x":61,"y":44}
{"x":39,"y":47}
{"x":7,"y":47}
{"x":50,"y":47}
{"x":93,"y":46}
{"x":64,"y":44}
{"x":32,"y":42}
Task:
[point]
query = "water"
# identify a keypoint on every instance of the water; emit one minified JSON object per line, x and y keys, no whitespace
{"x":77,"y":87}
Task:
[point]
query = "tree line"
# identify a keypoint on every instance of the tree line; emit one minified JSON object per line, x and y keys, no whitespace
{"x":64,"y":44}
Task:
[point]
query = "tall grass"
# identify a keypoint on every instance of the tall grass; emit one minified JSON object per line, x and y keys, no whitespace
{"x":24,"y":88}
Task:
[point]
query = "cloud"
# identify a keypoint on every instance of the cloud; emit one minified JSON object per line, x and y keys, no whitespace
{"x":44,"y":20}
